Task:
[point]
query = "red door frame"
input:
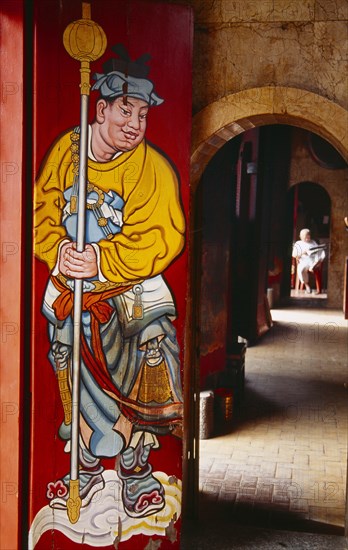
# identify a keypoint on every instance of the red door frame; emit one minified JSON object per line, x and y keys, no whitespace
{"x":12,"y":263}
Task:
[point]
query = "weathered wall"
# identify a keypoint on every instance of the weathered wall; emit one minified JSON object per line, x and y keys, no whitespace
{"x":286,"y":46}
{"x":241,"y":44}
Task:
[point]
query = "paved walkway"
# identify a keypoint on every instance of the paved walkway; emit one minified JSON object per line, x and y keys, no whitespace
{"x":282,"y":462}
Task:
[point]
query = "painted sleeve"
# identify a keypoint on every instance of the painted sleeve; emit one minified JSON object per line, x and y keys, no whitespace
{"x":49,"y":202}
{"x":153,"y":231}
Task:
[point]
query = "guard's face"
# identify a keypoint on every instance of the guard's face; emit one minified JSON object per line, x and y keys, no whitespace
{"x":124,"y":124}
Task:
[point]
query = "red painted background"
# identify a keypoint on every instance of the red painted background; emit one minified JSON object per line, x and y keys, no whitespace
{"x":165,"y":31}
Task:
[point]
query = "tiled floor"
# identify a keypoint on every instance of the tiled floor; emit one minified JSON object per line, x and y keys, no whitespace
{"x":302,"y":295}
{"x":282,"y":461}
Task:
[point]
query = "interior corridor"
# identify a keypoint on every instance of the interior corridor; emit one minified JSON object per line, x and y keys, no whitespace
{"x":281,"y":463}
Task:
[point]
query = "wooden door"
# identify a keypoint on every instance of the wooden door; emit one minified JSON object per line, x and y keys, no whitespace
{"x":127,"y":489}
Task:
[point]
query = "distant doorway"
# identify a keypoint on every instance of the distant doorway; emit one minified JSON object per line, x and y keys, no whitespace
{"x":311,"y":208}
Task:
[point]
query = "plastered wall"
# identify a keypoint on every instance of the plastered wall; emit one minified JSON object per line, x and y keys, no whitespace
{"x":241,"y":44}
{"x":294,"y":52}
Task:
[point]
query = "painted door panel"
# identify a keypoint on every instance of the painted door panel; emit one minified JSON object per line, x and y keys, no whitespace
{"x":112,"y":517}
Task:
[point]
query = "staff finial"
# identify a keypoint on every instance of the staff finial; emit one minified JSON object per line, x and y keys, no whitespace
{"x":85,"y":41}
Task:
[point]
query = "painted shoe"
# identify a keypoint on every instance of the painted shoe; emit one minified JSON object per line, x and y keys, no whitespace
{"x":91,"y":481}
{"x":142,"y":493}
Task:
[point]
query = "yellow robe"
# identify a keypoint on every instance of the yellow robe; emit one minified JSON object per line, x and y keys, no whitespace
{"x":153,"y":228}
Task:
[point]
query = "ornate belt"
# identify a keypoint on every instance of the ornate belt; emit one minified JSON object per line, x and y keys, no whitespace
{"x":99,"y":286}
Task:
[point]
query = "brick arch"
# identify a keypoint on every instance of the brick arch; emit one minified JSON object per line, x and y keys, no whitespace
{"x":233,"y":114}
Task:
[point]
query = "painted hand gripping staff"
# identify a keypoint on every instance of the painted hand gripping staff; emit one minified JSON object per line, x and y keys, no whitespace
{"x":126,"y":388}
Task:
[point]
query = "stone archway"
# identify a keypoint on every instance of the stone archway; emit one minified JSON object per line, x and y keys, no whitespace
{"x":229,"y":116}
{"x":212,"y":127}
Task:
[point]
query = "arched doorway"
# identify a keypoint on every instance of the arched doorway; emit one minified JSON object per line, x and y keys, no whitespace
{"x":233,"y":114}
{"x":215,"y":126}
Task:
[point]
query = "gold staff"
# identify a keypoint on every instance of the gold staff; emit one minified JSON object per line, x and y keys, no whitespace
{"x":84,"y":41}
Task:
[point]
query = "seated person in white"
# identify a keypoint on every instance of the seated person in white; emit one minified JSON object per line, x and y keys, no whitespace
{"x":308,"y":254}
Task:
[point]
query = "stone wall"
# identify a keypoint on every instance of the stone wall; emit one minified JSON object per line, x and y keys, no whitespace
{"x":261,"y":62}
{"x":241,"y":44}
